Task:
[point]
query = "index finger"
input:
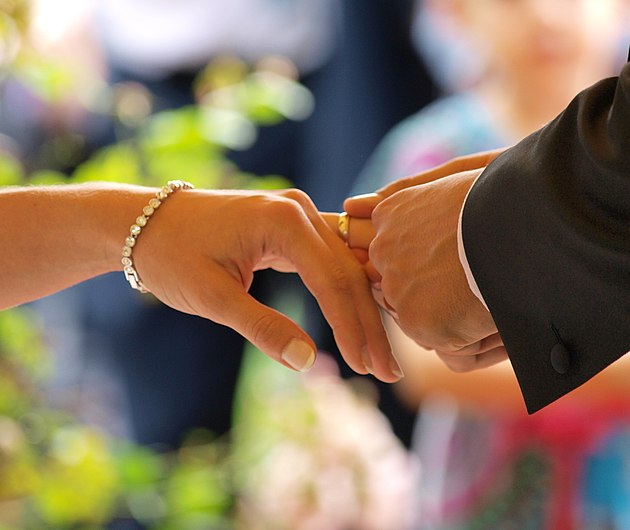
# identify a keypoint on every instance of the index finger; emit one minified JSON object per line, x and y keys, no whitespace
{"x":363,"y":205}
{"x":456,"y":165}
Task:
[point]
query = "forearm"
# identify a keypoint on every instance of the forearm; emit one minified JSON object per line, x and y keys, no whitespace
{"x":56,"y":236}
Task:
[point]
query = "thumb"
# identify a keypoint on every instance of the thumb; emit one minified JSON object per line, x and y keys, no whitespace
{"x":362,"y":205}
{"x":273,"y":333}
{"x":455,"y":165}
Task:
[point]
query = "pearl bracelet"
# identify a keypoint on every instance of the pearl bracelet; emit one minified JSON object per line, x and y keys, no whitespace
{"x":141,"y":221}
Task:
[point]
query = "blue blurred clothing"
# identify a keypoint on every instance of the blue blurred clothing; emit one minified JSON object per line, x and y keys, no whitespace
{"x":449,"y":127}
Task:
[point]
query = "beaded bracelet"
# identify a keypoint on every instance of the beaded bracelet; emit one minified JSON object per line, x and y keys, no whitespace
{"x":141,"y":221}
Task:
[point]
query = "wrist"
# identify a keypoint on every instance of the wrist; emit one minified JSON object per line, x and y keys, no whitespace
{"x":56,"y":236}
{"x":111,"y":209}
{"x":140,"y":222}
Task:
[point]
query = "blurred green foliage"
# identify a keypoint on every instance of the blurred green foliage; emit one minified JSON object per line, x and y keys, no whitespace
{"x":305,"y":452}
{"x":55,"y":472}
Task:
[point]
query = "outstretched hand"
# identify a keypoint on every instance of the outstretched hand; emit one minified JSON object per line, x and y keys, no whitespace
{"x":202,"y":260}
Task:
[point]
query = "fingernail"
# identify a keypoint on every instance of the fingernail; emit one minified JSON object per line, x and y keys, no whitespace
{"x":377,"y":286}
{"x":395,"y":368}
{"x":367,"y":360}
{"x":298,"y":355}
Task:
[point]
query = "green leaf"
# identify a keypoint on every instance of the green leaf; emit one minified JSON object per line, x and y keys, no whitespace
{"x":78,"y":483}
{"x":117,"y":163}
{"x":11,"y":172}
{"x":20,"y":341}
{"x":194,"y":489}
{"x":138,"y":466}
{"x":47,"y":177}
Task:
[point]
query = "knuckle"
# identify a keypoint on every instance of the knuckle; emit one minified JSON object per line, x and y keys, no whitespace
{"x":286,"y":211}
{"x":458,"y":365}
{"x":336,"y":279}
{"x":378,"y":214}
{"x":375,"y":252}
{"x":261,"y":328}
{"x":424,"y":327}
{"x":296,"y":195}
{"x":301,"y":198}
{"x":339,"y":277}
{"x":452,"y":345}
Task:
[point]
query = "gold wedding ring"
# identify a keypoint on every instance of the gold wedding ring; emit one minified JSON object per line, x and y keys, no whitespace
{"x":343,"y":225}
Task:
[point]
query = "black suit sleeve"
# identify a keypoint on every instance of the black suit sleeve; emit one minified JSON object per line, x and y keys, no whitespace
{"x":546,"y":231}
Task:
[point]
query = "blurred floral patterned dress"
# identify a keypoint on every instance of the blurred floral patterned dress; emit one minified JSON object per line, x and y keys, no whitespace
{"x":564,"y":468}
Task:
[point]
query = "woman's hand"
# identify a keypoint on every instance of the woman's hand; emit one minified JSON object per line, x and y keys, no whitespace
{"x":200,"y":251}
{"x":198,"y":254}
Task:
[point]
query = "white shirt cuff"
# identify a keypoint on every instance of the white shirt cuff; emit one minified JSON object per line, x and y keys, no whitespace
{"x":462,"y":252}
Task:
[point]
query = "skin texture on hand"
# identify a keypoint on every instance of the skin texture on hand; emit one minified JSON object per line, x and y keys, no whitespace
{"x":213,"y":242}
{"x":416,"y":253}
{"x":482,"y":353}
{"x":414,"y":265}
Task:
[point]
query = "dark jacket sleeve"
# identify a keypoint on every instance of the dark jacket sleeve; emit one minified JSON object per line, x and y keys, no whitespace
{"x":546,"y":230}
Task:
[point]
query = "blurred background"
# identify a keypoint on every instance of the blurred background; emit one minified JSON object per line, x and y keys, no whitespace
{"x":117,"y":412}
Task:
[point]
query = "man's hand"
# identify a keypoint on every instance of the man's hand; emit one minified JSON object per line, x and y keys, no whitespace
{"x":458,"y":348}
{"x":363,"y":205}
{"x":423,"y":284}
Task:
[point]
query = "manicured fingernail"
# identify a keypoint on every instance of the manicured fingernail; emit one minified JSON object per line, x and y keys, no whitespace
{"x":367,"y":360}
{"x":395,"y":368}
{"x":298,"y":355}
